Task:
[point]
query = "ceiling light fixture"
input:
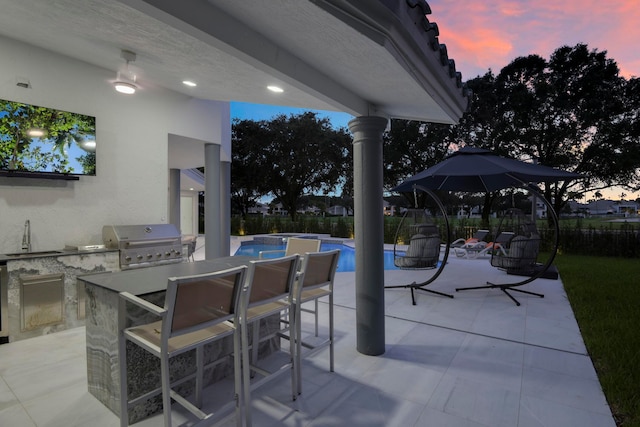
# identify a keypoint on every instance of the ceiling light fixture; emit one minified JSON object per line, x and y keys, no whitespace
{"x":189,"y":83}
{"x":125,"y":87}
{"x":126,"y":83}
{"x":275,"y":89}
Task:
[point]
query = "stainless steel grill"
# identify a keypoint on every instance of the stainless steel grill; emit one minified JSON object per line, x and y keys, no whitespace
{"x":144,"y":245}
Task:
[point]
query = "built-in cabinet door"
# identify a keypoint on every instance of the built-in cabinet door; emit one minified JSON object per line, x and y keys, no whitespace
{"x":41,"y":300}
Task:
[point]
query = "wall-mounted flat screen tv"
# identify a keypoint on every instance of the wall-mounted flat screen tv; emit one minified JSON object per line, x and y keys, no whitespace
{"x":45,"y":140}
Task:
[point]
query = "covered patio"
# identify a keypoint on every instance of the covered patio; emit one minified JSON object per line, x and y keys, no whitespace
{"x":475,"y":360}
{"x":375,"y":60}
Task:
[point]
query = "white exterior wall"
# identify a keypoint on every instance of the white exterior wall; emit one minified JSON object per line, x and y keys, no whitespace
{"x":131,"y":182}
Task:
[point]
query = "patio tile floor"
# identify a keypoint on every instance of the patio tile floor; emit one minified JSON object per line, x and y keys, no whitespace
{"x":475,"y":360}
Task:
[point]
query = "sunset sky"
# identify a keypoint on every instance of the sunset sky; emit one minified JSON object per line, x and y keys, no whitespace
{"x":489,"y":35}
{"x":483,"y":35}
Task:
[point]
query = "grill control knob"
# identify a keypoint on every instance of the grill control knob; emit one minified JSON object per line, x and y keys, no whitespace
{"x":159,"y":255}
{"x":168,"y":253}
{"x":139,"y":257}
{"x":127,"y":258}
{"x":149,"y":256}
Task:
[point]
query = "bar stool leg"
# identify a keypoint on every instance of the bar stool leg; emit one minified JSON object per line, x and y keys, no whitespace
{"x":237,"y":374}
{"x":246,"y":374}
{"x":166,"y":393}
{"x":298,"y":338}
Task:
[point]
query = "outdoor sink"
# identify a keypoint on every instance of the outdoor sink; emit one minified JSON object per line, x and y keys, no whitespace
{"x":32,"y":254}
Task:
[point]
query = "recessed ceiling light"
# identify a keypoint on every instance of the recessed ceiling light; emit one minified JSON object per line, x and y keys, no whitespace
{"x":275,"y":89}
{"x":189,"y":83}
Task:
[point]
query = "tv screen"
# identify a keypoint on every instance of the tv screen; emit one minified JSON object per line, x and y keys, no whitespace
{"x":41,"y":139}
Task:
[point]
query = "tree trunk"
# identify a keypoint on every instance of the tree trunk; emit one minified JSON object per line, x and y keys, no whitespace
{"x":486,"y":209}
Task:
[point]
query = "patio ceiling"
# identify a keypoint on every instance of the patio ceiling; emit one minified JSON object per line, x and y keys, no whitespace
{"x":361,"y":57}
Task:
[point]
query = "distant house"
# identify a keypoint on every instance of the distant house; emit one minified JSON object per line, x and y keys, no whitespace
{"x":313,"y":210}
{"x":606,"y":207}
{"x":338,"y":211}
{"x":259,"y":208}
{"x":626,"y":208}
{"x":541,"y":208}
{"x":278,"y":209}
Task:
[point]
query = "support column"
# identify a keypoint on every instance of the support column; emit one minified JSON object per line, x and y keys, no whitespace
{"x":212,"y":185}
{"x":225,"y":207}
{"x":369,"y":232}
{"x":174,"y":197}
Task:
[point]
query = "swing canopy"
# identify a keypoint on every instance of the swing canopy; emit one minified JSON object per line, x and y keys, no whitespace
{"x":478,"y":170}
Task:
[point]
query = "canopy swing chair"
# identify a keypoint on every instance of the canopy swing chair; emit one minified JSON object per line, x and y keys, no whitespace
{"x":477,"y":170}
{"x":516,"y":248}
{"x":423,"y":240}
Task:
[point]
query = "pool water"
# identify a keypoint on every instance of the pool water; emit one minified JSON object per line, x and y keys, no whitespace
{"x":346,"y":262}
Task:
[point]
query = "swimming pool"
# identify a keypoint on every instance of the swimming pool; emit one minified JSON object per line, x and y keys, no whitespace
{"x":346,"y":262}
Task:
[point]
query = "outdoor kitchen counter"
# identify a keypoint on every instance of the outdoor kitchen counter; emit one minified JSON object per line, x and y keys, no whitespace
{"x":153,"y":279}
{"x":39,"y":291}
{"x":102,"y":329}
{"x":18,"y":256}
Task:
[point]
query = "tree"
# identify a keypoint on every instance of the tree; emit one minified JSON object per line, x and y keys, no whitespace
{"x":306,"y":155}
{"x":570,"y":113}
{"x":598,"y":196}
{"x":248,"y":172}
{"x":411,"y":146}
{"x":479,"y":127}
{"x":290,"y":156}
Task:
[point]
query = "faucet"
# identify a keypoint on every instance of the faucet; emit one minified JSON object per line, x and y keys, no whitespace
{"x":26,"y":237}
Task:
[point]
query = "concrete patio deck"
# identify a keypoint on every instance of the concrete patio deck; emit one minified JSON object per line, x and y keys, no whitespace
{"x":475,"y":360}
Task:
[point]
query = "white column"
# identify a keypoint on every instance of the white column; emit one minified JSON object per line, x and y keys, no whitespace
{"x":212,"y":185}
{"x":174,"y":197}
{"x":225,"y":207}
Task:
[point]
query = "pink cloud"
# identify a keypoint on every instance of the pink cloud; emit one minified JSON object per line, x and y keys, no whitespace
{"x":480,"y":36}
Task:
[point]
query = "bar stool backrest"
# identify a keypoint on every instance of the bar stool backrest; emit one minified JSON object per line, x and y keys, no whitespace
{"x":319,"y":268}
{"x":296,"y":245}
{"x":271,"y":279}
{"x":200,"y":301}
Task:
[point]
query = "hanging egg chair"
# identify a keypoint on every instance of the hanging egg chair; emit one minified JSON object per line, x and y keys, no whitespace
{"x":516,"y":248}
{"x":518,"y":252}
{"x":421,"y":236}
{"x":418,"y":243}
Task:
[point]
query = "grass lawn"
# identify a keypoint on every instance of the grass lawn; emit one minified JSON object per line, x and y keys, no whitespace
{"x":605,"y":296}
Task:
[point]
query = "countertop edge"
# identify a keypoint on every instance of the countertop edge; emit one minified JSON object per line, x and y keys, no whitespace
{"x":54,"y":253}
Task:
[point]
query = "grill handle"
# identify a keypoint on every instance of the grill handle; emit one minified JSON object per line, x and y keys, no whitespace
{"x":151,"y":241}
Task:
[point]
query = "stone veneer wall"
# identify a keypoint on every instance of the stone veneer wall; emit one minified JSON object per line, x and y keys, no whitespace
{"x":71,"y":266}
{"x":143,"y":369}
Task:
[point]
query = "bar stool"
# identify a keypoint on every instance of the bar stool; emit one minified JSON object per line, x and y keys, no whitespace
{"x":268,"y":292}
{"x":295,"y":245}
{"x":315,"y":281}
{"x":198,"y":310}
